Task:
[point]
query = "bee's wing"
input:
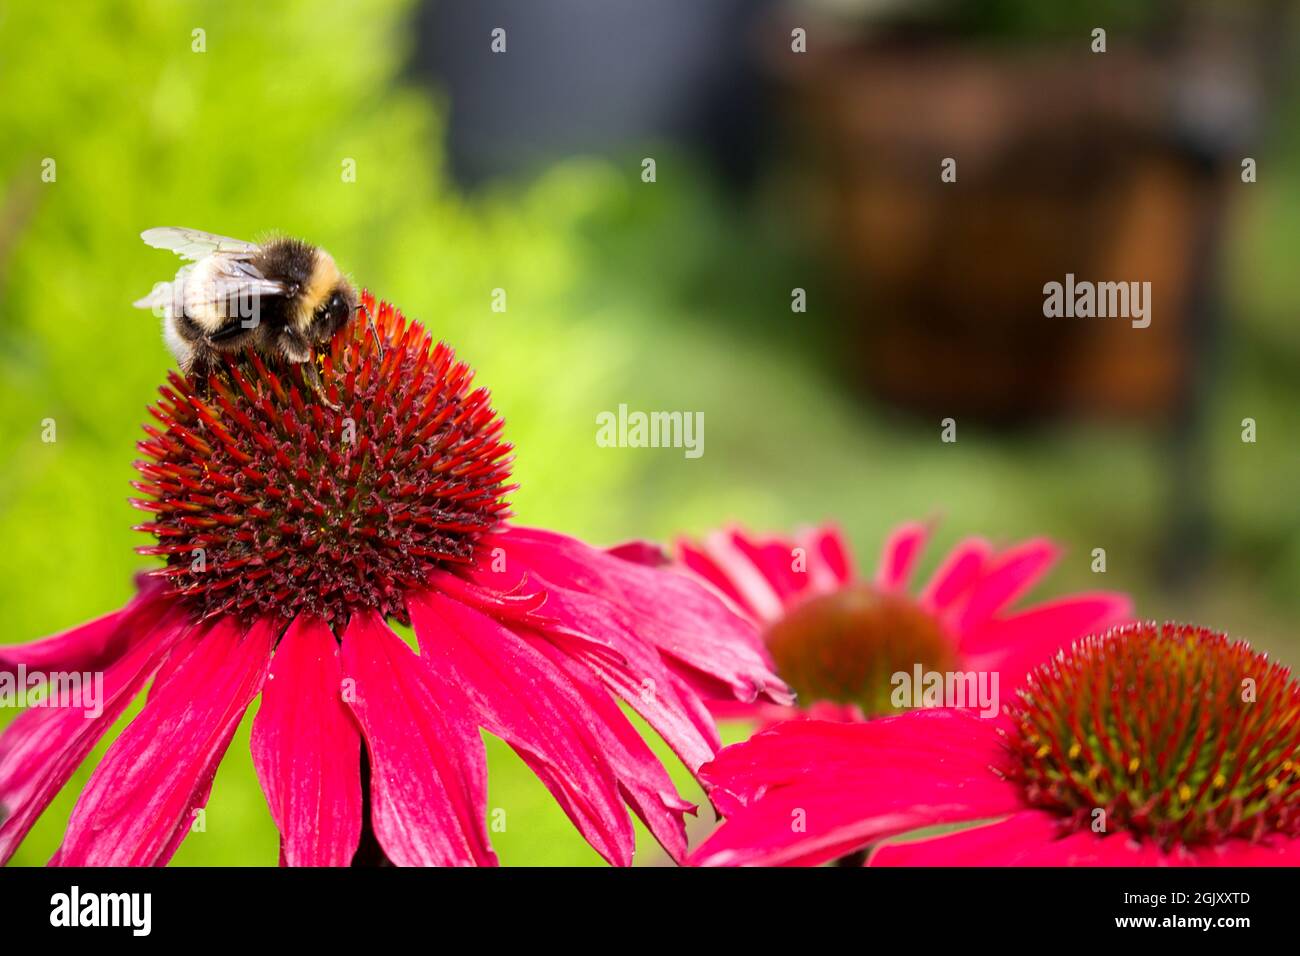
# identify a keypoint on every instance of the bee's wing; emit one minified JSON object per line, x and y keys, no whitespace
{"x":237,"y":274}
{"x":163,"y":294}
{"x":221,"y":286}
{"x":194,"y":244}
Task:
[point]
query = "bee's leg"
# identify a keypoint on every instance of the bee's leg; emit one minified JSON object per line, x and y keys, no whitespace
{"x":196,"y":364}
{"x":313,"y":379}
{"x":374,"y":331}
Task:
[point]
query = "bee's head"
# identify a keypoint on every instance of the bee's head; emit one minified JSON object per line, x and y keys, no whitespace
{"x":333,"y":312}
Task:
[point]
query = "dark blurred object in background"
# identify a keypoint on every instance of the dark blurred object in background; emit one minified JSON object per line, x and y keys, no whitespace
{"x":1113,"y":166}
{"x":1117,"y":167}
{"x":593,"y":77}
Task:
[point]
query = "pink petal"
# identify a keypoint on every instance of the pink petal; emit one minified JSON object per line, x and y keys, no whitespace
{"x":806,"y":792}
{"x":521,"y":697}
{"x":428,"y":766}
{"x":138,"y":802}
{"x":765,"y":715}
{"x":176,"y":657}
{"x":982,"y":845}
{"x":520,"y":606}
{"x":307,"y":750}
{"x":756,"y":592}
{"x":605,"y":633}
{"x":1276,"y":851}
{"x":632,"y":669}
{"x":1019,"y":643}
{"x":91,"y":646}
{"x":775,"y":559}
{"x":645,"y":783}
{"x":1085,"y":848}
{"x":902,"y":549}
{"x":727,"y":708}
{"x":641,"y":552}
{"x":956,"y":575}
{"x":1027,"y":838}
{"x":701,"y":564}
{"x":1006,"y":577}
{"x":830,"y":546}
{"x":672,"y":612}
{"x":43,"y":746}
{"x":1035,"y":838}
{"x":828,"y":562}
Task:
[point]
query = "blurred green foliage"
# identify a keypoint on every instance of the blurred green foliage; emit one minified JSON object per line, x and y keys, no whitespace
{"x":249,"y":136}
{"x":660,"y":296}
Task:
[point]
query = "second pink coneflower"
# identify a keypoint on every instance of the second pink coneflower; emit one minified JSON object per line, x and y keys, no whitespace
{"x":837,"y":636}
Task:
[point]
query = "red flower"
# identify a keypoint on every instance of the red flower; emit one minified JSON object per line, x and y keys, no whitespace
{"x":837,"y":638}
{"x":294,"y":529}
{"x":1151,"y":745}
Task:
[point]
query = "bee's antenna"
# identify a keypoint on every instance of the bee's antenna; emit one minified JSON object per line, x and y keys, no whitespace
{"x":374,"y":331}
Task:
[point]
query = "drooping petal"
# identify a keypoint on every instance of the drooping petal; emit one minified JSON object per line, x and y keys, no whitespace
{"x":776,"y":560}
{"x":634,"y":671}
{"x":518,"y":695}
{"x":428,"y":781}
{"x":1029,"y":832}
{"x":90,"y":646}
{"x":834,"y":550}
{"x":645,"y":783}
{"x":764,"y":716}
{"x":1006,"y":577}
{"x":671,"y":611}
{"x":760,"y":594}
{"x":1027,"y":838}
{"x":902,"y":549}
{"x":602,"y":635}
{"x":43,"y":746}
{"x":1274,"y":851}
{"x":829,"y":564}
{"x":307,"y":750}
{"x":76,"y":649}
{"x":138,"y":802}
{"x":1035,"y":838}
{"x":806,"y":792}
{"x":659,"y":695}
{"x":520,"y":606}
{"x":171,"y":662}
{"x":1017,"y":644}
{"x":180,"y":653}
{"x":702,"y":564}
{"x":641,"y":552}
{"x":956,"y":575}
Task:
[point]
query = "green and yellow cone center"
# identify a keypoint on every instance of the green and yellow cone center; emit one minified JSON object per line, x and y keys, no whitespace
{"x":1174,"y":733}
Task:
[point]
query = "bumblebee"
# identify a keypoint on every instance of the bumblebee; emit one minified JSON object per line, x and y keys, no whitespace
{"x":284,"y":298}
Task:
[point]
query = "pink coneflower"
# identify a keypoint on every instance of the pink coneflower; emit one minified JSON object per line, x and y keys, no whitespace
{"x":293,"y":533}
{"x":838,"y":638}
{"x":1149,"y":745}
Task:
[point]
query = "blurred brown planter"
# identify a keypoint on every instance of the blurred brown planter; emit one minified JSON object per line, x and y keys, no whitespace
{"x":1063,"y":166}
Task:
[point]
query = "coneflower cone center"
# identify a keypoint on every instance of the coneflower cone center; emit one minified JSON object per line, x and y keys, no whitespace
{"x":267,"y":500}
{"x":846,"y":646}
{"x":1174,"y":733}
